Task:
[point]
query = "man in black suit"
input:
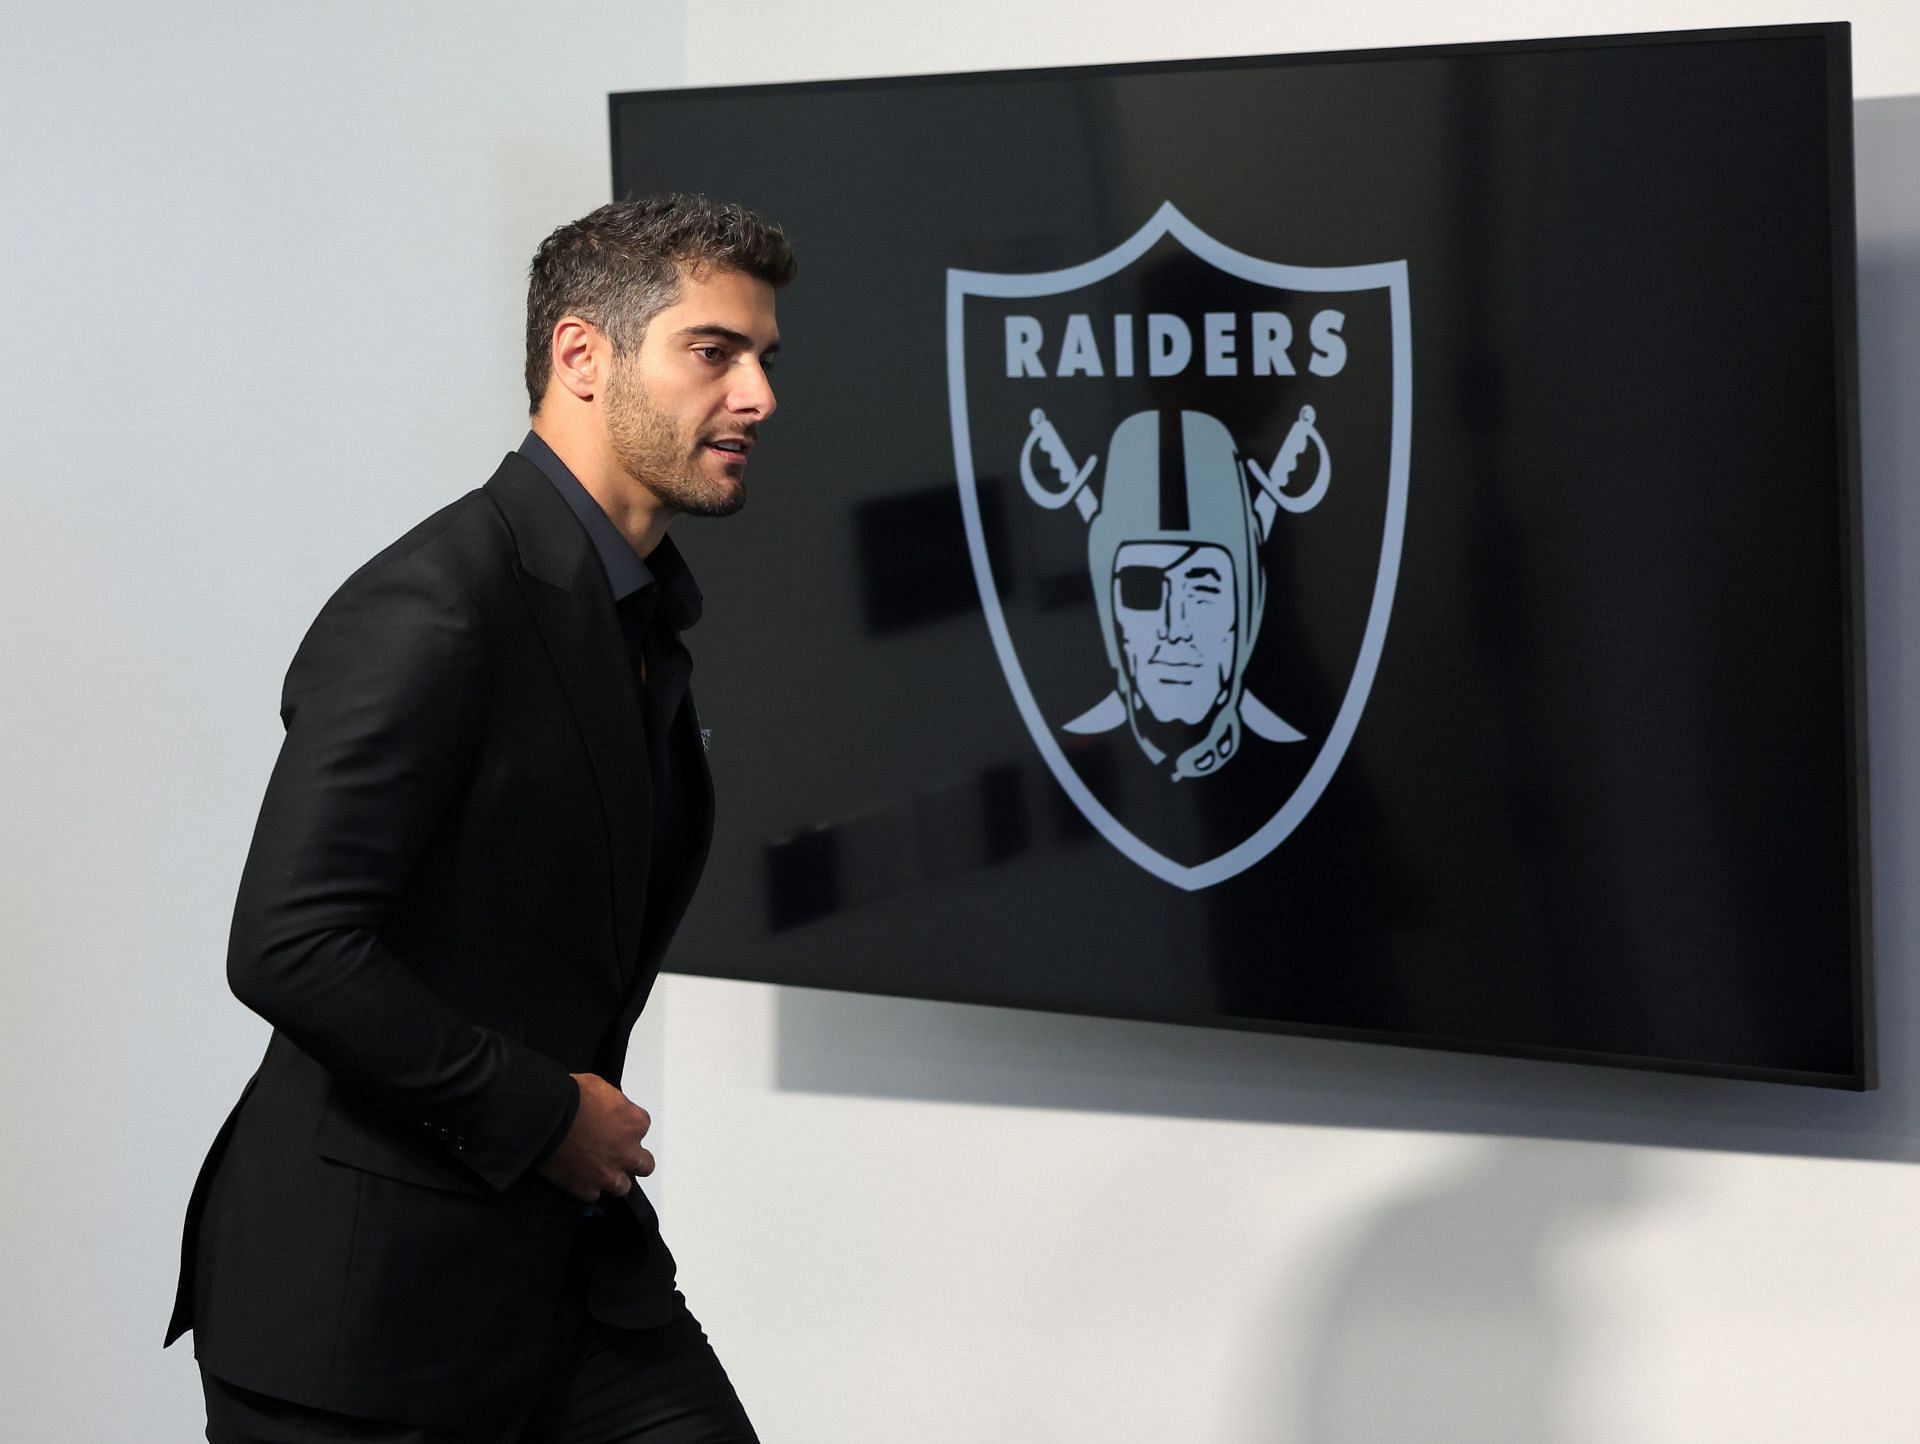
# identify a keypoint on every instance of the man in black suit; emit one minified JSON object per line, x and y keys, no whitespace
{"x":420,"y":1223}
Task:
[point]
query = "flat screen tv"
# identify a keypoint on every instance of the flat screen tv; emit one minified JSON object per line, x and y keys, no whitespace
{"x":1363,"y":545}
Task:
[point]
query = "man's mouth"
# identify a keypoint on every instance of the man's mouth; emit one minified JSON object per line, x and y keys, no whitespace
{"x":731,"y":448}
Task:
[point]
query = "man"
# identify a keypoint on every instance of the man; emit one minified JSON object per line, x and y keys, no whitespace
{"x":420,"y":1222}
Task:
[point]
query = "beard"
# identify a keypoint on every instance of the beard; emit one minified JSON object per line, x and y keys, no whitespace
{"x":648,"y":445}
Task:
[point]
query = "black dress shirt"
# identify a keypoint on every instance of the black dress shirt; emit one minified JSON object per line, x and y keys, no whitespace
{"x":655,"y":599}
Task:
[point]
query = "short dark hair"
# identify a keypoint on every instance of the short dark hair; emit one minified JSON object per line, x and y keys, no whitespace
{"x":621,"y":265}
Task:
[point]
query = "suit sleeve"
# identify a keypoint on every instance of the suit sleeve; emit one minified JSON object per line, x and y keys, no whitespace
{"x":384,"y":707}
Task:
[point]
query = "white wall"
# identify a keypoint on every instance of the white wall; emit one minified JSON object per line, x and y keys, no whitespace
{"x":245,"y":248}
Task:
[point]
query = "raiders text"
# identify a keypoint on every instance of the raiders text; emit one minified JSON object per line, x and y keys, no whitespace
{"x":1261,"y":341}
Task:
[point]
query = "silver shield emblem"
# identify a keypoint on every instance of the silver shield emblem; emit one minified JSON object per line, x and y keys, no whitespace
{"x":1183,"y":472}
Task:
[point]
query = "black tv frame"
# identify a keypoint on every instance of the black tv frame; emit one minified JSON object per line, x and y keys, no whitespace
{"x":1836,"y":37}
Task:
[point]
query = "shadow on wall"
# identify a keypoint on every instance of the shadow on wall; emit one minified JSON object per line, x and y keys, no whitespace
{"x":841,"y":1043}
{"x":1442,"y":1317}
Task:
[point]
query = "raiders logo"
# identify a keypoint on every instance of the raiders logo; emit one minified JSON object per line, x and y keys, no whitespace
{"x":1198,"y":462}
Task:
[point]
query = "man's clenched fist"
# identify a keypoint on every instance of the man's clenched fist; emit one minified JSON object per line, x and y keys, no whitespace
{"x":602,"y":1151}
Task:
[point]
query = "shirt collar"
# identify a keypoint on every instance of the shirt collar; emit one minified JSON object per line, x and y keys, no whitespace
{"x":627,"y":572}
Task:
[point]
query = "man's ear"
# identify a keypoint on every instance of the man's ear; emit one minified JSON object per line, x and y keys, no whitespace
{"x":581,"y":354}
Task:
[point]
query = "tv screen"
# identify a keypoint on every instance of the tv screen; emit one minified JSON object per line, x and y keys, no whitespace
{"x":1362,"y":544}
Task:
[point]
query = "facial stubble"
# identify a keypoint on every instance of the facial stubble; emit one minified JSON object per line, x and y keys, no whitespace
{"x":647,"y":444}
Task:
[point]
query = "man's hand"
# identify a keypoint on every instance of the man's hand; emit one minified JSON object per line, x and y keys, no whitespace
{"x":602,"y":1151}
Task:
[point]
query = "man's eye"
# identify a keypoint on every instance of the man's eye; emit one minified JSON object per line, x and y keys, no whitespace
{"x":711,"y":353}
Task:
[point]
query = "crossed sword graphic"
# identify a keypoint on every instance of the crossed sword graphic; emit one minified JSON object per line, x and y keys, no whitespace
{"x":1110,"y":711}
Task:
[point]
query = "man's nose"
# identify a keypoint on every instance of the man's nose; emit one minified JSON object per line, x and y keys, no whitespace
{"x":1173,"y":617}
{"x":752,"y":394}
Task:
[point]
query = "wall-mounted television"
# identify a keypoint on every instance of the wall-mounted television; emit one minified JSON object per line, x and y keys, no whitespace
{"x":1361,"y":544}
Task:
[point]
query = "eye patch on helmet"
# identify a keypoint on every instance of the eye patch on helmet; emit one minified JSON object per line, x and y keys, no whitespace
{"x":1142,"y":589}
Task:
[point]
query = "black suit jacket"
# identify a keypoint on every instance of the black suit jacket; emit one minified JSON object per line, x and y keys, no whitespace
{"x":441,"y":916}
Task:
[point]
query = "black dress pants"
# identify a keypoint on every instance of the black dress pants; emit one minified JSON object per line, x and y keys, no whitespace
{"x":609,"y":1386}
{"x":616,"y":1393}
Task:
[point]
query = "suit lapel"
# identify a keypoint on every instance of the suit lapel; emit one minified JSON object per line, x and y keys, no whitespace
{"x":566,"y":591}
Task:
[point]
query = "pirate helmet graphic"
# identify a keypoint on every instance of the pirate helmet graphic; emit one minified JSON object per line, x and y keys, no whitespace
{"x":1203,"y":374}
{"x":1173,"y":553}
{"x":1174,"y":559}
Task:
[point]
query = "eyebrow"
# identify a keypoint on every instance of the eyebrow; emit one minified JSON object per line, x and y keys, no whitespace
{"x":727,"y":334}
{"x":1198,"y":572}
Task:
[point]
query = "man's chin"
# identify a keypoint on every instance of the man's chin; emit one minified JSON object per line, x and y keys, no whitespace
{"x":1179,"y":710}
{"x":719,"y":503}
{"x":708,"y":495}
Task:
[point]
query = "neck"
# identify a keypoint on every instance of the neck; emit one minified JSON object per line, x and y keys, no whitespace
{"x":636,"y":513}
